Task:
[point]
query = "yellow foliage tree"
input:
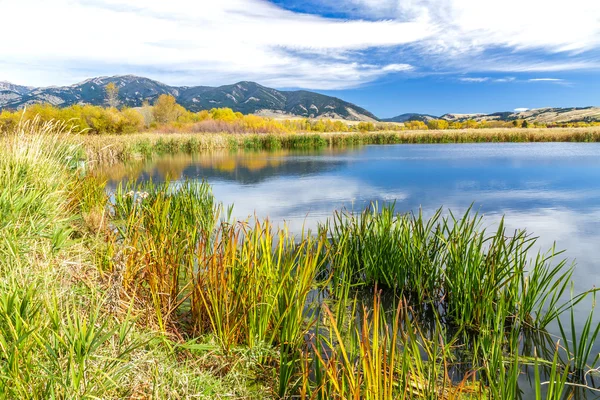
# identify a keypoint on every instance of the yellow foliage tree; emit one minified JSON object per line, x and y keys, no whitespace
{"x":112,"y":95}
{"x":416,"y":125}
{"x":167,"y":110}
{"x":440,"y":124}
{"x":224,"y":114}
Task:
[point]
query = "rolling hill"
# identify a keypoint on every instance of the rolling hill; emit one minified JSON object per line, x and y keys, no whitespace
{"x":542,"y":115}
{"x":410,"y":117}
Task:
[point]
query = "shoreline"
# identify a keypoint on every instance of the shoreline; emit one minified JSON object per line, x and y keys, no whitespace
{"x":122,"y":148}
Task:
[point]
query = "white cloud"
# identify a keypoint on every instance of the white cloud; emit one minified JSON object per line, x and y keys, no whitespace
{"x":315,"y":199}
{"x":221,"y":41}
{"x":522,"y":109}
{"x":469,"y":25}
{"x":538,"y":66}
{"x":397,"y":68}
{"x":211,"y":41}
{"x":500,"y":35}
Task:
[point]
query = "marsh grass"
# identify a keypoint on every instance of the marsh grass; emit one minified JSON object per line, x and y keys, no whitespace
{"x":120,"y":148}
{"x":487,"y":292}
{"x":578,"y":346}
{"x":196,"y":274}
{"x":248,"y":285}
{"x":556,"y":385}
{"x":57,"y":339}
{"x":449,"y":262}
{"x":383,"y":357}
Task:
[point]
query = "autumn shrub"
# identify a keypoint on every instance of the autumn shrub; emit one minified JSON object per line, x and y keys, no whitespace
{"x":89,"y":119}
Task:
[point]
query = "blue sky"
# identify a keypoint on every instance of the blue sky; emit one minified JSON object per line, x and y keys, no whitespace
{"x":389,"y":56}
{"x":438,"y":95}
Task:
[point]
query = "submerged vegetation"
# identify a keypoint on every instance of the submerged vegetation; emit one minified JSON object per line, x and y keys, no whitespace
{"x":155,"y":291}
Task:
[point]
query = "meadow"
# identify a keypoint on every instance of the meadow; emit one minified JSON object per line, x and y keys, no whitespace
{"x":155,"y":291}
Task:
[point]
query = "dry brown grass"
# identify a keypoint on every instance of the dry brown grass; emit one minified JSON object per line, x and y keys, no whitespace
{"x":113,"y":148}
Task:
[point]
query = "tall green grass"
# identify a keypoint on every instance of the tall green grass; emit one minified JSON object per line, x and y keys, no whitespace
{"x":478,"y":291}
{"x":49,"y":347}
{"x":460,"y":287}
{"x":58,"y":336}
{"x":449,"y":262}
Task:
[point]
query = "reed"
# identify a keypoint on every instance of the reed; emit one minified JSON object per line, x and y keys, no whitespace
{"x":119,"y":148}
{"x":249,"y":285}
{"x":60,"y":336}
{"x":579,"y":346}
{"x":245,"y":284}
{"x":556,"y":385}
{"x":383,"y":359}
{"x":401,"y":252}
{"x":253,"y":290}
{"x":158,"y":228}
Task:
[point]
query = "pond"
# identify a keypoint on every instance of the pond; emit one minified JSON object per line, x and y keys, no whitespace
{"x":550,"y":189}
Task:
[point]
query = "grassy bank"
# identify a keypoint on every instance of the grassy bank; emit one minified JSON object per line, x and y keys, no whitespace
{"x":66,"y":330}
{"x":159,"y":293}
{"x":107,"y":148}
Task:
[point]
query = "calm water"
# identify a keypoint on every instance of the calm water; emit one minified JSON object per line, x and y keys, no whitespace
{"x":551,"y":189}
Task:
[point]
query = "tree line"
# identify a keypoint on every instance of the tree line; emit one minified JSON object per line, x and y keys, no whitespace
{"x":166,"y":115}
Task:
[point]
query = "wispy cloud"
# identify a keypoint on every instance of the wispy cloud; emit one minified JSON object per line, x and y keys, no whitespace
{"x":488,"y":79}
{"x":545,"y":80}
{"x":511,"y":64}
{"x":507,"y":79}
{"x":473,"y":80}
{"x":475,"y":25}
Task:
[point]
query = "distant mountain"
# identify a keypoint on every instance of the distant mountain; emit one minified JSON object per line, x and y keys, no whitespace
{"x":245,"y":97}
{"x":410,"y":117}
{"x":542,"y":115}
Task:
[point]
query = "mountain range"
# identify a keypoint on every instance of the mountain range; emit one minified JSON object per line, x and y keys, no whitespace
{"x":245,"y":97}
{"x":250,"y":98}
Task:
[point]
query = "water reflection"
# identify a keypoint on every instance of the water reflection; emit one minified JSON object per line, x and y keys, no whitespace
{"x":246,"y":167}
{"x":552,"y":189}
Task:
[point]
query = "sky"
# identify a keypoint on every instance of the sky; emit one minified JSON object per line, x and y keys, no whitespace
{"x":389,"y":56}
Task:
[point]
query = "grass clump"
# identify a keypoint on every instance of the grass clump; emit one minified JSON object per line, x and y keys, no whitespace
{"x":449,"y":263}
{"x":244,"y":284}
{"x":49,"y":346}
